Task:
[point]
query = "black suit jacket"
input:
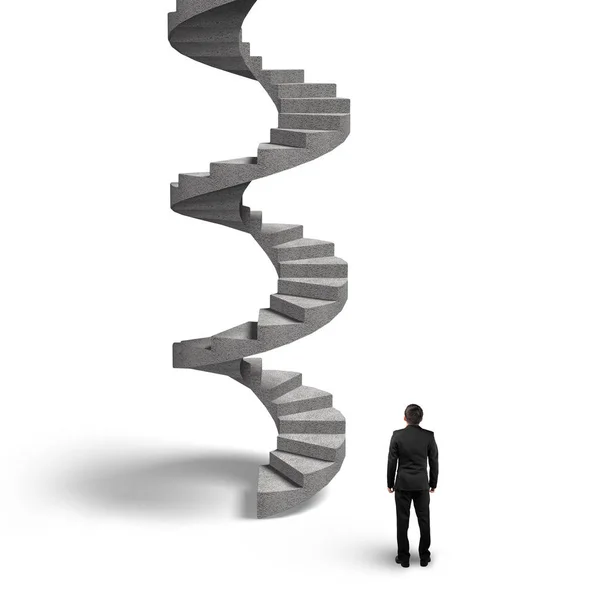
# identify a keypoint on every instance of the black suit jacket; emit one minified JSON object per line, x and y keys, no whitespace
{"x":409,"y":450}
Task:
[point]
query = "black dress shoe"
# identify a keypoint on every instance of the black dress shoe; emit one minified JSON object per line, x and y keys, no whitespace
{"x":404,"y":564}
{"x":425,"y":561}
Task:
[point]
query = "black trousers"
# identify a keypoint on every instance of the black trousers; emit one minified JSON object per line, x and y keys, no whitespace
{"x":421,"y":501}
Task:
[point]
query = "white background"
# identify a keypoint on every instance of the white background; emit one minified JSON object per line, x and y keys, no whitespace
{"x":466,"y":202}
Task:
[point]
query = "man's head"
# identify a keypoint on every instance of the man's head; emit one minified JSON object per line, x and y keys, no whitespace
{"x":413,"y":414}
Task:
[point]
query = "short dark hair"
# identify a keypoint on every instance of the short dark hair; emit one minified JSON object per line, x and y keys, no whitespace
{"x":413,"y":414}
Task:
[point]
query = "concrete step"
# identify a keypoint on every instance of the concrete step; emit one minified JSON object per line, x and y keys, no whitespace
{"x":315,"y":105}
{"x":299,"y":308}
{"x":245,"y":331}
{"x":228,"y":218}
{"x":299,"y":138}
{"x":338,"y":122}
{"x":269,"y":147}
{"x":327,"y":266}
{"x":225,"y":63}
{"x":276,"y":493}
{"x":205,"y":34}
{"x":197,"y":49}
{"x":251,"y":372}
{"x":223,"y":15}
{"x":270,"y":480}
{"x":225,"y":199}
{"x":280,"y":156}
{"x":255,"y":62}
{"x":241,"y":339}
{"x":236,"y":167}
{"x":273,"y":234}
{"x":303,"y":248}
{"x":301,"y":399}
{"x":321,"y":288}
{"x":191,"y":184}
{"x":299,"y":469}
{"x":276,"y":327}
{"x":284,"y":75}
{"x":200,"y":212}
{"x":239,"y":225}
{"x":231,"y":368}
{"x":325,"y":420}
{"x":306,"y":90}
{"x":277,"y":383}
{"x":324,"y":446}
{"x":254,"y":221}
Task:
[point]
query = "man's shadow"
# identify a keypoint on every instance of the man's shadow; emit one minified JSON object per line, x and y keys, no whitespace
{"x":172,"y":486}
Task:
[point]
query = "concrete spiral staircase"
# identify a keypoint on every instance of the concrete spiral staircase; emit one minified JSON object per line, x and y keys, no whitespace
{"x":312,"y":284}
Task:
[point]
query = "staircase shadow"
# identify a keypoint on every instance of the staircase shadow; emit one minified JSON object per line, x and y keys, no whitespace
{"x":172,"y":485}
{"x":168,"y":486}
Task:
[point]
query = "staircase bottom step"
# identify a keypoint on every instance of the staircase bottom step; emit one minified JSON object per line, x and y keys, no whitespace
{"x":311,"y":473}
{"x":276,"y":493}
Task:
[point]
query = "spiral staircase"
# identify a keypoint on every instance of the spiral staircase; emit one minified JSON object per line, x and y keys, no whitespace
{"x":312,"y":284}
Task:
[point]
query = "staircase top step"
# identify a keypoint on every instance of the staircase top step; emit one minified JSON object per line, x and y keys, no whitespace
{"x":270,"y":481}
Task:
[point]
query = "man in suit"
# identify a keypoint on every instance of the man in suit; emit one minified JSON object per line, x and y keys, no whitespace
{"x":409,"y":450}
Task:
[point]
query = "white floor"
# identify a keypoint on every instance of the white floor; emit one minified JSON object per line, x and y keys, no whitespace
{"x":167,"y":509}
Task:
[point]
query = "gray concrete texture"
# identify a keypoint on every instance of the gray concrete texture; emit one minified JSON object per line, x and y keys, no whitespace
{"x":312,"y":286}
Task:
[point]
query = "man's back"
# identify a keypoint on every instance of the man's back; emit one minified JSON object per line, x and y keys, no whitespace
{"x":410,"y":448}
